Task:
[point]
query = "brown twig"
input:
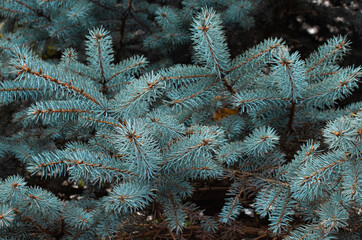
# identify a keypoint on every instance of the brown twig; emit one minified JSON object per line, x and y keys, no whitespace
{"x":173,"y":236}
{"x":126,"y":13}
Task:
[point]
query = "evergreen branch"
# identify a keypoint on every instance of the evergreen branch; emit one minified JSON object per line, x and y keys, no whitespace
{"x":106,"y":149}
{"x":290,"y":70}
{"x":343,"y":82}
{"x":135,"y":65}
{"x":261,"y":141}
{"x":267,"y":179}
{"x":20,"y":89}
{"x":84,"y":75}
{"x":267,"y":209}
{"x":33,"y":222}
{"x":196,"y":168}
{"x":16,"y":11}
{"x":167,"y":18}
{"x":249,"y":80}
{"x":242,"y":174}
{"x":58,"y":82}
{"x":190,"y":132}
{"x":325,"y":168}
{"x":185,"y":75}
{"x":22,"y":151}
{"x":127,"y":198}
{"x":253,"y":101}
{"x":44,"y":165}
{"x":37,"y":112}
{"x":80,"y":233}
{"x":103,"y":122}
{"x":189,"y":76}
{"x":183,"y":153}
{"x":321,"y":170}
{"x":94,"y":165}
{"x":201,"y":145}
{"x":139,"y":94}
{"x":253,"y":57}
{"x":331,"y":90}
{"x":262,"y":99}
{"x":6,"y":48}
{"x":157,"y":121}
{"x":207,"y":169}
{"x":32,"y":21}
{"x":96,"y":37}
{"x":265,"y":168}
{"x":163,"y":220}
{"x":209,"y":41}
{"x":65,"y":28}
{"x":235,"y":201}
{"x":282,"y":213}
{"x":355,"y":181}
{"x":166,"y":126}
{"x":211,"y":50}
{"x":337,"y":48}
{"x":39,"y":13}
{"x":79,"y":163}
{"x":306,"y":234}
{"x":323,"y":74}
{"x":136,"y":140}
{"x":175,"y":213}
{"x":100,"y":55}
{"x":177,"y":101}
{"x":353,"y":114}
{"x":118,"y":84}
{"x":186,"y":117}
{"x":58,"y":111}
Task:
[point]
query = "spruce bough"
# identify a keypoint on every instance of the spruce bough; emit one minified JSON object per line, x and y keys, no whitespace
{"x":150,"y":135}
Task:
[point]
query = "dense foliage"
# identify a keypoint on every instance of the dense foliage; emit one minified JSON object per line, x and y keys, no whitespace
{"x":149,"y":134}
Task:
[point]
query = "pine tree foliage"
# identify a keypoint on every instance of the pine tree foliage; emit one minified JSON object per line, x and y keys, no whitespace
{"x":147,"y":136}
{"x":211,"y":51}
{"x":57,"y":24}
{"x":173,"y":24}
